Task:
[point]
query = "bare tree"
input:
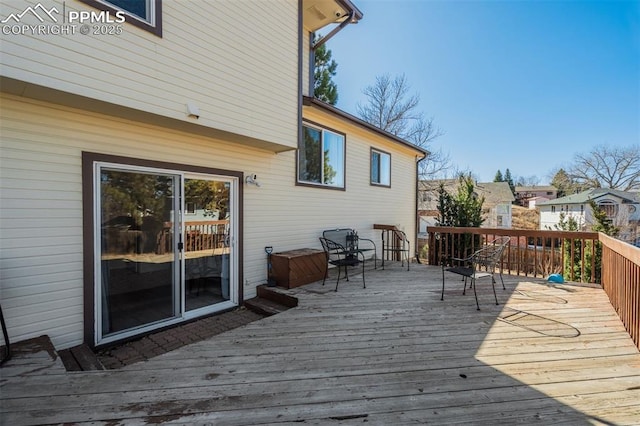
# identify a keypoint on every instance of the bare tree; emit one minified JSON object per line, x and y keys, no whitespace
{"x":391,"y":107}
{"x":608,"y":167}
{"x":532,"y":180}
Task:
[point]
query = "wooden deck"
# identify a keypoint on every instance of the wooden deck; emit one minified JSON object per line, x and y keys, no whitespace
{"x":390,"y":354}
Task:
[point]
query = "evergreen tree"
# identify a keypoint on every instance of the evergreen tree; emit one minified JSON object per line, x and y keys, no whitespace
{"x":565,"y":184}
{"x":509,"y":180}
{"x":572,"y":255}
{"x":602,"y":224}
{"x":324,"y":88}
{"x":498,"y":177}
{"x":469,"y":205}
{"x":464,"y":209}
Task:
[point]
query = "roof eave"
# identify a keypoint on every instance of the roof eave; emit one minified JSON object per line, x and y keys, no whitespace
{"x":313,"y":102}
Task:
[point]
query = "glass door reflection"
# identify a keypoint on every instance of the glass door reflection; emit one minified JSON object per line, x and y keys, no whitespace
{"x":207,"y":247}
{"x":138,"y":260}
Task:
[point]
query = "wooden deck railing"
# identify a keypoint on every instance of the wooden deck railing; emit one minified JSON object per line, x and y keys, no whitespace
{"x":621,"y":282}
{"x":198,"y":235}
{"x":531,"y":253}
{"x":578,"y":256}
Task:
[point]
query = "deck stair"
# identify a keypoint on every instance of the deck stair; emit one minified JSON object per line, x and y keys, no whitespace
{"x":271,"y":300}
{"x":32,"y":356}
{"x":80,"y":358}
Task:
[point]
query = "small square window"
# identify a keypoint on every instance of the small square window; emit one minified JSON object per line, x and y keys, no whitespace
{"x":380,"y":168}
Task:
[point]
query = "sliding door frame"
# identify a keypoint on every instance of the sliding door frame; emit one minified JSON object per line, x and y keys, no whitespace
{"x":89,"y":161}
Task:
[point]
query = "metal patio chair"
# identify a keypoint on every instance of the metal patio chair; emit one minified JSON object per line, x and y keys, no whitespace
{"x":487,"y":258}
{"x":348,"y":237}
{"x":341,"y":257}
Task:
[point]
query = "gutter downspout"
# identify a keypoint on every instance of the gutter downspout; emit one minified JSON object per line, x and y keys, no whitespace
{"x":323,"y":40}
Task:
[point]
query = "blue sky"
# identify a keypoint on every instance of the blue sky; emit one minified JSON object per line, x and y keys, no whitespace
{"x":522,"y":85}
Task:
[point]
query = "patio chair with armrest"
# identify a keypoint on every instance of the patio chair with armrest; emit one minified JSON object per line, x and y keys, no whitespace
{"x":349,"y":238}
{"x":487,"y":258}
{"x":341,"y":257}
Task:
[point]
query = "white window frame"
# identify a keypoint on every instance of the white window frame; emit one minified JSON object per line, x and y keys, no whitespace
{"x":610,"y":207}
{"x":179,"y":270}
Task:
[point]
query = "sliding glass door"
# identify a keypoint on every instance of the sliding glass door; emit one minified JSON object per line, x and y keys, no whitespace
{"x":207,"y":246}
{"x":164,"y":245}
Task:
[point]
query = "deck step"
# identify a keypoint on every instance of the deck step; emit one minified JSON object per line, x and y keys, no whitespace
{"x":278,"y":295}
{"x":80,"y":358}
{"x":35,"y":355}
{"x":264,"y":306}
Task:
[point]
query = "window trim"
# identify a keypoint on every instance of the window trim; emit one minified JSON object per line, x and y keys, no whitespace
{"x":322,"y":129}
{"x":371,"y":181}
{"x":153,"y":26}
{"x":610,"y":207}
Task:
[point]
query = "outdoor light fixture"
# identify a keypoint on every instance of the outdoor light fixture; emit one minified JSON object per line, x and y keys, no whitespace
{"x":193,"y":111}
{"x":252,"y":179}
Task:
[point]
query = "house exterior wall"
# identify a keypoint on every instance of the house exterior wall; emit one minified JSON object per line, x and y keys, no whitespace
{"x":41,"y":211}
{"x":306,"y":65}
{"x":499,"y":216}
{"x":533,"y":201}
{"x":626,"y":218}
{"x":41,"y":260}
{"x":59,"y":103}
{"x":550,"y":216}
{"x":525,"y":193}
{"x":227,"y":58}
{"x":361,"y":204}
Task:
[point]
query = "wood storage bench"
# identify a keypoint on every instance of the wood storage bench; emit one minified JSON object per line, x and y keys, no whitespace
{"x":294,"y":268}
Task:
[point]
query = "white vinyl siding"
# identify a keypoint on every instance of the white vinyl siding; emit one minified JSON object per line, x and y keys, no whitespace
{"x":228,"y":58}
{"x":306,"y":65}
{"x":41,"y":233}
{"x":362,"y":204}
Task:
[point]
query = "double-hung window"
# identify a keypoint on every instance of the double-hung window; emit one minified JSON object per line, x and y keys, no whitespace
{"x":321,"y":157}
{"x":380,"y":168}
{"x":145,"y":14}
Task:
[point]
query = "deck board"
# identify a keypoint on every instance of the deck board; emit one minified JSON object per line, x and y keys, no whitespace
{"x":392,"y":353}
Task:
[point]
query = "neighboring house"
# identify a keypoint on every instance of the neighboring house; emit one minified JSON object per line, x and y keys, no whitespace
{"x":533,"y":202}
{"x":496,"y":208}
{"x":528,"y":196}
{"x":146,"y":166}
{"x":623,"y":208}
{"x":498,"y":199}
